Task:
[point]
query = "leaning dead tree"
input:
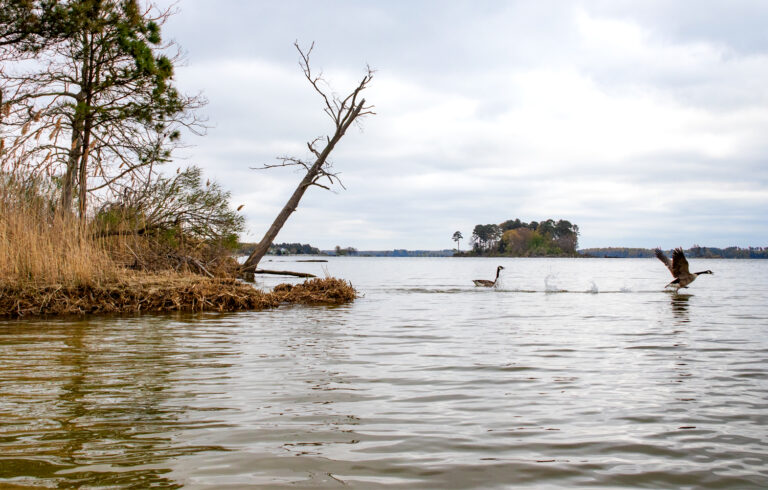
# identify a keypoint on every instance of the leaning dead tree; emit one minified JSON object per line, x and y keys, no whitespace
{"x":343,"y":112}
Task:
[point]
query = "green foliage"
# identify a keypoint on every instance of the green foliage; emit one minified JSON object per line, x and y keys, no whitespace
{"x":485,"y":236}
{"x":517,"y":238}
{"x":293,"y":249}
{"x":338,"y":250}
{"x":175,"y":208}
{"x":102,"y":91}
{"x":27,"y":26}
{"x":457,"y":237}
{"x":618,"y":252}
{"x":537,"y":243}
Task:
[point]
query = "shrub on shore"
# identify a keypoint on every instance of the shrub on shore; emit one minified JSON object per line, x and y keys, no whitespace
{"x":42,"y":246}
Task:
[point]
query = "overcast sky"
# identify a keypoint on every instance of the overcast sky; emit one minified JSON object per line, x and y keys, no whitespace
{"x":645,"y":123}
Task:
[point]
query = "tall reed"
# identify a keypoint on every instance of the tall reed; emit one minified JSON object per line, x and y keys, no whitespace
{"x":42,"y":247}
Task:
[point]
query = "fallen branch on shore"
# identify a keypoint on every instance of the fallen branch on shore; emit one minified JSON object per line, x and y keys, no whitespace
{"x":283,"y":273}
{"x":161,"y":293}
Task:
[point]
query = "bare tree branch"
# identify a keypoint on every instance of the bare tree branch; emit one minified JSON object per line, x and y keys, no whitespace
{"x":343,"y":112}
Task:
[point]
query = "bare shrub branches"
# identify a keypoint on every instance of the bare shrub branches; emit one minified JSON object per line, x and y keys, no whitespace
{"x":336,"y":108}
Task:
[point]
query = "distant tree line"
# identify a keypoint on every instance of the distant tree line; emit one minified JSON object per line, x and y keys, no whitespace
{"x":344,"y":251}
{"x":293,"y":249}
{"x":401,"y":252}
{"x":696,"y":252}
{"x":280,"y":249}
{"x":617,"y":252}
{"x":516,"y":238}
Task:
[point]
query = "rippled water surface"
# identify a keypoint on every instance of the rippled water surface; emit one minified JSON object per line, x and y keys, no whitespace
{"x":570,"y":373}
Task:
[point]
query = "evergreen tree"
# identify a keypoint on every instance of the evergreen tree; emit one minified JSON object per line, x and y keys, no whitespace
{"x":457,"y":237}
{"x":98,"y":107}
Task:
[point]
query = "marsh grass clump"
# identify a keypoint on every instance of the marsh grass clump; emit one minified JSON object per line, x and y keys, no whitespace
{"x":155,"y":253}
{"x":39,"y":246}
{"x":153,"y":293}
{"x":138,"y":294}
{"x":326,"y":291}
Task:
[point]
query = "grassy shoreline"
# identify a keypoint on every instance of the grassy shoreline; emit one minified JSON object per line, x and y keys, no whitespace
{"x":165,"y":293}
{"x":52,"y":264}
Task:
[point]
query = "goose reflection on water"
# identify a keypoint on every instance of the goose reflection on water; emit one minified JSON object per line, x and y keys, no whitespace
{"x":680,"y":306}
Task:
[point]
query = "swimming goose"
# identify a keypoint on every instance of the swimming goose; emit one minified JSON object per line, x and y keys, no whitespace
{"x":678,"y":266}
{"x":485,"y":282}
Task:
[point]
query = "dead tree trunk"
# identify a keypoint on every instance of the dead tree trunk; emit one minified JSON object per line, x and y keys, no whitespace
{"x":343,"y":112}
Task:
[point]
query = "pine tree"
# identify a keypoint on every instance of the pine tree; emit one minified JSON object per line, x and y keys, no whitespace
{"x":98,"y":108}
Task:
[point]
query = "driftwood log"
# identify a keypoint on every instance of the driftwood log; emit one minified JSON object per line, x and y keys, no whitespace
{"x":284,"y":273}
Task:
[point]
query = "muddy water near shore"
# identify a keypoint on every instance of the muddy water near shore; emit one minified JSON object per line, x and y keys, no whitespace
{"x":570,"y":373}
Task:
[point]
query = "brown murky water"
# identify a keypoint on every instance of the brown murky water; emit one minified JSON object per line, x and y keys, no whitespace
{"x":571,"y":373}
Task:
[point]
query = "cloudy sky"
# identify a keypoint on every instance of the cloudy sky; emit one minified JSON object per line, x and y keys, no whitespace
{"x":645,"y":123}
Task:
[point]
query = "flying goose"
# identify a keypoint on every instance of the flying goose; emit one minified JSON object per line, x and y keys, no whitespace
{"x":485,"y":282}
{"x":678,"y":266}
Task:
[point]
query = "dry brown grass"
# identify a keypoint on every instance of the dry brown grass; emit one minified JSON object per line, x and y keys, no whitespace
{"x":152,"y":293}
{"x":39,"y":247}
{"x":328,"y":291}
{"x":148,"y":253}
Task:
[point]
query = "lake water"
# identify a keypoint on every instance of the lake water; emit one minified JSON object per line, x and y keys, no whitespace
{"x":573,"y":372}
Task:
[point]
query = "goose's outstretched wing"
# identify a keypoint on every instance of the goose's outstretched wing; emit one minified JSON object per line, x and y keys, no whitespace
{"x":679,"y":263}
{"x":660,"y":255}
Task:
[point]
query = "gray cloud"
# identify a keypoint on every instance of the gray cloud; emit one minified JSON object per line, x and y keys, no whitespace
{"x":643,"y":123}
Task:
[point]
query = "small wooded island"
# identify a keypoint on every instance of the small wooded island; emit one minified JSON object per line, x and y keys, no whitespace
{"x":516,"y":238}
{"x":88,"y":224}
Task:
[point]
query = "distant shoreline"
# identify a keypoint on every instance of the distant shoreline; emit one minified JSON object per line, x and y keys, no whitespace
{"x":695,"y":252}
{"x":595,"y":252}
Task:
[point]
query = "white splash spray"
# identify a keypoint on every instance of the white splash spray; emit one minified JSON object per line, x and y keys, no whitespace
{"x":549,"y":286}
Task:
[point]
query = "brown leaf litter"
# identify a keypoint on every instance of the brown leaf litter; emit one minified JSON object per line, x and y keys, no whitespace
{"x":162,"y":293}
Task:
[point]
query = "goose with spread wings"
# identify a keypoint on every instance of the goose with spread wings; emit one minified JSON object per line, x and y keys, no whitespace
{"x":678,"y":266}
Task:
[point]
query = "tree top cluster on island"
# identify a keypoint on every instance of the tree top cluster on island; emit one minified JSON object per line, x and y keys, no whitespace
{"x":516,"y":238}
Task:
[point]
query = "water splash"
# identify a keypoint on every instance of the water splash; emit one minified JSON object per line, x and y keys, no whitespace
{"x":593,"y":289}
{"x":549,"y":285}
